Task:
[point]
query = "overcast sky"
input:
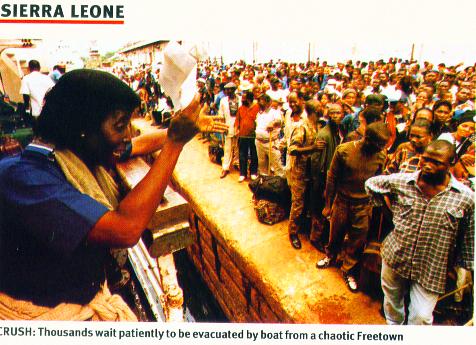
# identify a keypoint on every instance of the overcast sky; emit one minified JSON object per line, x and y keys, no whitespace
{"x":366,"y":29}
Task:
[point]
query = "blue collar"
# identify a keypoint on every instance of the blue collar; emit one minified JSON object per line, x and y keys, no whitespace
{"x":41,"y":150}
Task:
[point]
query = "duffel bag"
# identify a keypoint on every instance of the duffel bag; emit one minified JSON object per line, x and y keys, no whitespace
{"x":269,"y":212}
{"x":272,"y":188}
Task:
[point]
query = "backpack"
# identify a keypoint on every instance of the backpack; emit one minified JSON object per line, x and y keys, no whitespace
{"x":271,"y":199}
{"x":269,"y":212}
{"x":272,"y":188}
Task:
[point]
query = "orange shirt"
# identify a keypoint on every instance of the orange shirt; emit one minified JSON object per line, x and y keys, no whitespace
{"x":245,"y":120}
{"x":392,"y":127}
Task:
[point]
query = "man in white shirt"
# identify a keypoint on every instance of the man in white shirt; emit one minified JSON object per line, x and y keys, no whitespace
{"x":268,"y":124}
{"x":228,"y":108}
{"x":278,"y":95}
{"x":34,"y":87}
{"x":387,"y":89}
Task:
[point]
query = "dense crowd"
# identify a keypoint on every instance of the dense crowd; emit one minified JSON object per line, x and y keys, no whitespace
{"x":379,"y":159}
{"x":332,"y":132}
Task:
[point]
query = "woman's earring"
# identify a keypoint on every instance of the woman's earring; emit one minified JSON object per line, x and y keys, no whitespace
{"x":82,"y":135}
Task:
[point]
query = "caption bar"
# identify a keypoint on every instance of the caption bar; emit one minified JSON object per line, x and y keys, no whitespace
{"x":161,"y":334}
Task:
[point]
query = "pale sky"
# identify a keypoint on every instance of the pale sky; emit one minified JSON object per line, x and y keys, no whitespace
{"x":365,"y":29}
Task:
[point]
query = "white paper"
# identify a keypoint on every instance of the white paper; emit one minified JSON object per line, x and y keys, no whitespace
{"x":178,"y":74}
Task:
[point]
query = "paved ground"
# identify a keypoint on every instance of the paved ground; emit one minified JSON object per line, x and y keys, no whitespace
{"x":286,"y":275}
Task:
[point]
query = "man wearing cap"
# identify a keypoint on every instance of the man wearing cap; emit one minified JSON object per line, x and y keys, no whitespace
{"x":201,"y":86}
{"x":331,"y":88}
{"x":353,"y":163}
{"x":228,"y":108}
{"x":349,"y":98}
{"x":268,"y":124}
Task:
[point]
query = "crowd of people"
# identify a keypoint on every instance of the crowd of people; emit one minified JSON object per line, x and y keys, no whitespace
{"x":369,"y":150}
{"x":329,"y":131}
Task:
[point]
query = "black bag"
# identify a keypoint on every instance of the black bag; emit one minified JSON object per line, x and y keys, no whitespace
{"x":157,"y":116}
{"x":272,"y":188}
{"x":215,"y":152}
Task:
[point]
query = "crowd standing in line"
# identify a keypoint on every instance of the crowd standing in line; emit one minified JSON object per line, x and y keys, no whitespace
{"x":387,"y":140}
{"x":329,"y":129}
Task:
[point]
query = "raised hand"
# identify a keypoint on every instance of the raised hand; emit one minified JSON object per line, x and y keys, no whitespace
{"x":209,"y":123}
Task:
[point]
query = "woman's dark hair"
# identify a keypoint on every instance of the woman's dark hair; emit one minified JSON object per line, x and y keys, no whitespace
{"x":440,"y":103}
{"x":79,"y":103}
{"x":406,"y":84}
{"x":372,"y":114}
{"x":249,"y":96}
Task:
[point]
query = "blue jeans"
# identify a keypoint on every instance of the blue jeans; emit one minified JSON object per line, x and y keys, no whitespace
{"x":395,"y":287}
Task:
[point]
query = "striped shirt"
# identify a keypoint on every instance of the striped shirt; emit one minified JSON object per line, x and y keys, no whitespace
{"x":429,"y":235}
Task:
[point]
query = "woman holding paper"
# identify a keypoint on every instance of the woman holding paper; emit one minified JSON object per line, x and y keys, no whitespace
{"x":59,"y":208}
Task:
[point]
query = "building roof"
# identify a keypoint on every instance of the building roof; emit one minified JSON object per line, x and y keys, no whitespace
{"x":140,"y":44}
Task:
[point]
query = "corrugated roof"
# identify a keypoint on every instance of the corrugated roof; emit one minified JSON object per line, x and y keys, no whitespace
{"x":140,"y":44}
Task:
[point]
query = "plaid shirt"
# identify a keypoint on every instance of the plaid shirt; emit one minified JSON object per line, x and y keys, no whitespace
{"x":404,"y":160}
{"x":428,"y":235}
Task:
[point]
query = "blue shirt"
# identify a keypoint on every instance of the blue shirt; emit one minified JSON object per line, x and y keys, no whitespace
{"x":350,"y":122}
{"x":44,"y":223}
{"x":55,"y":75}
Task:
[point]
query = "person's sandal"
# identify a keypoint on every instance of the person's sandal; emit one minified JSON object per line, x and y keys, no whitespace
{"x":324,"y":263}
{"x":350,"y":282}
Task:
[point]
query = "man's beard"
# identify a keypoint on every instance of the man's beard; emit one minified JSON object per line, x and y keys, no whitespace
{"x":433,"y":179}
{"x":296,"y":113}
